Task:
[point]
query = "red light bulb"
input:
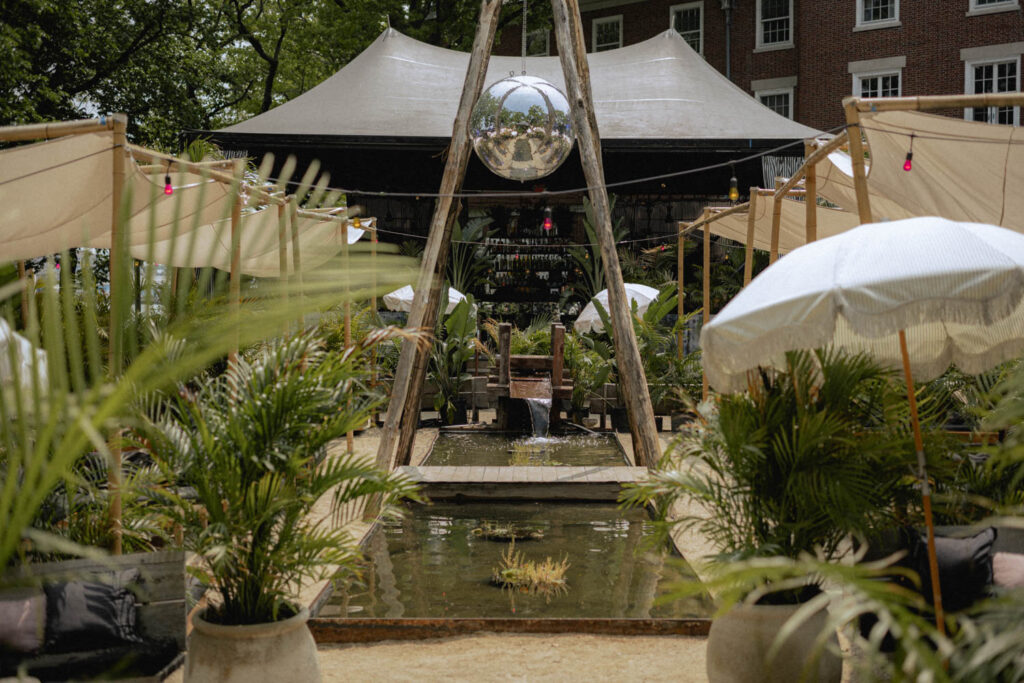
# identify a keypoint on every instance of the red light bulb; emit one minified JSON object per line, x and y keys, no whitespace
{"x":908,"y":164}
{"x":547,"y":219}
{"x":167,"y":185}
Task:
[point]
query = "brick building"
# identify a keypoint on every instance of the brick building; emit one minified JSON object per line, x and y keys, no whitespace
{"x":801,"y":57}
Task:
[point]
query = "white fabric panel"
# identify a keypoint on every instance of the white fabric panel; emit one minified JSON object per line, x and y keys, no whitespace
{"x":590,"y":321}
{"x":401,"y":299}
{"x":657,"y":89}
{"x":956,"y":288}
{"x":792,"y":230}
{"x":23,"y":354}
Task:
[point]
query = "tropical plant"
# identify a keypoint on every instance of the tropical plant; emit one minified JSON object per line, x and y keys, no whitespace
{"x":454,"y":345}
{"x":588,"y":258}
{"x":252,"y":445}
{"x":535,"y":340}
{"x":470,"y":261}
{"x":589,"y":363}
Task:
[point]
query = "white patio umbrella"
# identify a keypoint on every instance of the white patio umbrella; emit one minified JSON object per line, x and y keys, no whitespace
{"x":921,"y":293}
{"x":401,"y":299}
{"x":590,"y":321}
{"x":23,"y":352}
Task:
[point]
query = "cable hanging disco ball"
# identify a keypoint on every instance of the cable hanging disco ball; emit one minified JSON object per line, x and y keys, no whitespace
{"x":521,"y":128}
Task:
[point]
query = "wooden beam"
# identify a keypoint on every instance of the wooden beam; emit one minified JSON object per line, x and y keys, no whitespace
{"x":706,"y":297}
{"x":748,"y":251}
{"x":714,"y":213}
{"x":925,"y":102}
{"x":860,"y":180}
{"x":632,"y":382}
{"x":48,"y":131}
{"x":681,"y":291}
{"x":118,"y":123}
{"x":811,"y":198}
{"x":773,"y":254}
{"x":403,"y":410}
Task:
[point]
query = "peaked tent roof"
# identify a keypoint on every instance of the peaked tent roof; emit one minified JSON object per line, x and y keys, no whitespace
{"x":400,"y":87}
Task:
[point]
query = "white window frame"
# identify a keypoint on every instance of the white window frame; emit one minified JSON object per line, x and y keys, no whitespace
{"x":778,"y":91}
{"x":547,"y":42}
{"x":762,"y":46}
{"x":861,"y":25}
{"x":861,"y":75}
{"x":599,"y":22}
{"x":969,"y":66}
{"x":974,"y":9}
{"x":685,"y":6}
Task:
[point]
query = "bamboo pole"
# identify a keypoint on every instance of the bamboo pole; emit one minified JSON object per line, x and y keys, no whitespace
{"x":282,"y":249}
{"x":24,"y":294}
{"x":680,"y":304}
{"x":706,"y":298}
{"x":48,"y":131}
{"x":235,"y":288}
{"x":926,"y":493}
{"x":860,"y":180}
{"x":811,"y":197}
{"x":925,"y":102}
{"x":632,"y":381}
{"x":403,"y":409}
{"x":773,"y":254}
{"x":118,"y":123}
{"x":296,"y":260}
{"x":715,"y":213}
{"x":748,"y":248}
{"x":346,"y":264}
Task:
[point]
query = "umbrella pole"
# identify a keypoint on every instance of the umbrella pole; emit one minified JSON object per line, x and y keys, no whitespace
{"x":926,"y":494}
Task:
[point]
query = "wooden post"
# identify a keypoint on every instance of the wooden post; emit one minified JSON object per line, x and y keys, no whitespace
{"x":773,"y":254}
{"x":296,"y":260}
{"x":282,"y":249}
{"x":810,"y":197}
{"x":504,"y":360}
{"x":235,"y":287}
{"x":346,"y":264}
{"x":706,"y":317}
{"x":403,"y":410}
{"x":633,"y":383}
{"x":748,"y":251}
{"x":557,"y":360}
{"x":860,"y":180}
{"x":118,"y":124}
{"x":680,"y":304}
{"x":24,"y":294}
{"x":373,"y":275}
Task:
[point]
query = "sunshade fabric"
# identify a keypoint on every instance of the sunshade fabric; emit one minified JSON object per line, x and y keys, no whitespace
{"x":56,"y":195}
{"x":657,"y":89}
{"x":590,"y":321}
{"x":956,"y":288}
{"x":962,"y":170}
{"x":23,"y":356}
{"x":792,"y":230}
{"x":401,"y":299}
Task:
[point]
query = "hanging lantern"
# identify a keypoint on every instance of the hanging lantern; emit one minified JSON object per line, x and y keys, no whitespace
{"x":547,"y":224}
{"x":734,"y":190}
{"x":521,"y":128}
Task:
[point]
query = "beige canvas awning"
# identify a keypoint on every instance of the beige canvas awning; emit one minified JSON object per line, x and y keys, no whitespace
{"x":792,"y":231}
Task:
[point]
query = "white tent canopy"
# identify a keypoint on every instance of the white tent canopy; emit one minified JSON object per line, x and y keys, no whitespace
{"x":590,"y":321}
{"x":657,"y":89}
{"x":401,"y":299}
{"x":55,"y":195}
{"x":962,"y":170}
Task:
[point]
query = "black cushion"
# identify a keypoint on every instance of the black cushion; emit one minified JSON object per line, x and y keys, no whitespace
{"x":965,"y":567}
{"x":85,"y":615}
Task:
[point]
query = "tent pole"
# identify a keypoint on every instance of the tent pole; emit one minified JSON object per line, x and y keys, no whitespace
{"x":748,"y":248}
{"x":24,"y":294}
{"x":412,"y":363}
{"x":926,"y":493}
{"x":811,"y":197}
{"x":296,"y":259}
{"x":346,"y":264}
{"x":680,"y":304}
{"x":118,"y":123}
{"x":773,"y":255}
{"x":48,"y":131}
{"x":632,"y":381}
{"x":878,"y":104}
{"x":235,"y":289}
{"x":860,"y":180}
{"x":282,"y":249}
{"x":706,"y":293}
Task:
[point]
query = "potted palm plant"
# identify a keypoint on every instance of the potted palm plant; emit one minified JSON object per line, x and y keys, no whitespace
{"x":251,"y":444}
{"x":454,"y":346}
{"x":795,"y":465}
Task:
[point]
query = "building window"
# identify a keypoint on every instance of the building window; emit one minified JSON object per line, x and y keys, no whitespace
{"x":991,"y":6}
{"x":994,"y":77}
{"x":779,"y":101}
{"x":537,"y":44}
{"x":985,"y":4}
{"x":877,"y":13}
{"x":607,"y":33}
{"x":877,"y":84}
{"x":774,"y":23}
{"x":688,"y":19}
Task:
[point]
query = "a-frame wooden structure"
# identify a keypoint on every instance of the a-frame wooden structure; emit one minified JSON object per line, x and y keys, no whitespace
{"x":403,"y":412}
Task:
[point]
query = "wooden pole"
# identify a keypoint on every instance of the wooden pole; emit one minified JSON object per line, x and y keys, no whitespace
{"x":860,"y":180}
{"x":235,"y":289}
{"x":680,"y":305}
{"x":296,"y":260}
{"x":24,"y":294}
{"x":748,"y":248}
{"x":282,"y":249}
{"x":926,"y":492}
{"x":373,"y":272}
{"x":48,"y":131}
{"x":810,"y":198}
{"x":716,"y":213}
{"x":1005,"y":99}
{"x":346,"y":264}
{"x":632,"y":382}
{"x":706,"y":295}
{"x":557,"y":360}
{"x":403,"y":410}
{"x":118,"y":123}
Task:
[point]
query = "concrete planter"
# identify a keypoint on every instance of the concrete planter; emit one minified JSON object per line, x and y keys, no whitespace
{"x":256,"y":653}
{"x":739,"y":642}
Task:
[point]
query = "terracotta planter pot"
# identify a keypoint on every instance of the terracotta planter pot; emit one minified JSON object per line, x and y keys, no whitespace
{"x":739,"y":642}
{"x":278,"y":651}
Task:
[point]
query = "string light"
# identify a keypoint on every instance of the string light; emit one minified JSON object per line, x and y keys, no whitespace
{"x":168,"y":190}
{"x":734,"y":189}
{"x":908,"y":164}
{"x":547,"y":218}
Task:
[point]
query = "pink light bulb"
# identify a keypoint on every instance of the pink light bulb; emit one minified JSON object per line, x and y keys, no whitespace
{"x":908,"y":164}
{"x":547,"y":223}
{"x":168,"y":190}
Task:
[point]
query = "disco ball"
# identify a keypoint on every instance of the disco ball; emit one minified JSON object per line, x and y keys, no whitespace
{"x":521,"y":129}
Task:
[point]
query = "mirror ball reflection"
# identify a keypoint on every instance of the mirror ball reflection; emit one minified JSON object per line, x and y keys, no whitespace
{"x":521,"y":128}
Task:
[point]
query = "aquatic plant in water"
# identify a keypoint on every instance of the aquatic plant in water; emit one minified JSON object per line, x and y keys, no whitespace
{"x":545,"y":578}
{"x":496,"y":531}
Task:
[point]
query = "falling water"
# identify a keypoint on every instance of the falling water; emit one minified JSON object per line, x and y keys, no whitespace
{"x":540,"y":414}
